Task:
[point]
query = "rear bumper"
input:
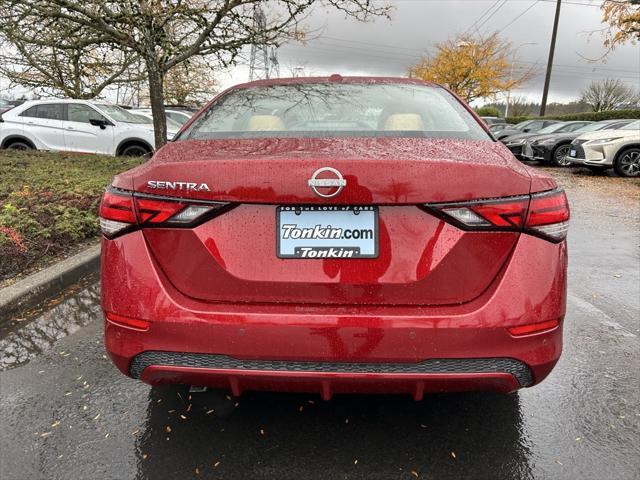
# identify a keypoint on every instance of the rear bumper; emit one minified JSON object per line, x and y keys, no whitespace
{"x":336,"y":349}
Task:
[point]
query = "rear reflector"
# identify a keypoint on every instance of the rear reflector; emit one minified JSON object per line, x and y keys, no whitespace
{"x":533,"y":328}
{"x":122,"y":211}
{"x":544,"y":214}
{"x":128,"y":322}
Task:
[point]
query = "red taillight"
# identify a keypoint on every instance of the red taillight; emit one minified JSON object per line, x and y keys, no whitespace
{"x":128,"y":322}
{"x":544,"y":214}
{"x":549,"y":215}
{"x":154,"y":211}
{"x":533,"y":328}
{"x":121,"y":211}
{"x":116,"y":212}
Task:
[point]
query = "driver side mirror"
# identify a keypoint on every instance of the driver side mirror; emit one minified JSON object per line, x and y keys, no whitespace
{"x":99,"y":122}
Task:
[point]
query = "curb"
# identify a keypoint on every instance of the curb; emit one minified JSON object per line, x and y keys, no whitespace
{"x":48,"y":282}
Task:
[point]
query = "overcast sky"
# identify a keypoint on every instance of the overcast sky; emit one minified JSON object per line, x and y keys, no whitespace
{"x":388,"y":47}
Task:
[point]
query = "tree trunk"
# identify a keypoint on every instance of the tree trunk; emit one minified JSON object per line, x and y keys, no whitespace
{"x":156,"y":96}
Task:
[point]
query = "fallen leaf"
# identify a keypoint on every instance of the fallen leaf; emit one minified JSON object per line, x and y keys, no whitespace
{"x":355,"y":462}
{"x":183,"y":417}
{"x":414,"y":473}
{"x":167,"y":429}
{"x":96,"y":417}
{"x":144,"y":456}
{"x":45,"y":434}
{"x":106,"y":435}
{"x":261,"y":432}
{"x":453,"y":454}
{"x":197,"y":471}
{"x":55,"y":424}
{"x":558,"y":462}
{"x":215,"y":465}
{"x":209,"y":412}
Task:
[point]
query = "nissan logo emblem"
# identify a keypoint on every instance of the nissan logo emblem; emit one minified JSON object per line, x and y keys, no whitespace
{"x":327,"y":182}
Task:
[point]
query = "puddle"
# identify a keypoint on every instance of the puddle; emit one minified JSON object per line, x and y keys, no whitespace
{"x":34,"y":331}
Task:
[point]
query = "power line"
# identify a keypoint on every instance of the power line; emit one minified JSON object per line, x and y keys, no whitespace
{"x":328,"y":44}
{"x":477,"y":29}
{"x":481,"y":17}
{"x":512,"y":21}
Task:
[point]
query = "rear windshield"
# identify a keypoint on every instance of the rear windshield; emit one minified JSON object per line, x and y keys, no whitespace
{"x":337,"y":109}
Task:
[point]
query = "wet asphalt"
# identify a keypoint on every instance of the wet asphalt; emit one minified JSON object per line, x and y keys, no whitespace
{"x":67,"y":413}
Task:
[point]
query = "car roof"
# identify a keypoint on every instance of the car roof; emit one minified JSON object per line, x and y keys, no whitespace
{"x":334,"y":78}
{"x":44,"y":101}
{"x":615,"y":120}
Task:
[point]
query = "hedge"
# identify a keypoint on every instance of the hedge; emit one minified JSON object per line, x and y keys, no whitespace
{"x":488,"y":112}
{"x":591,"y":116}
{"x":49,"y":203}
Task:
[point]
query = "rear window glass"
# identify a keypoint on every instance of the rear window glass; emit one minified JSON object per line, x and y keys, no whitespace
{"x":337,"y":109}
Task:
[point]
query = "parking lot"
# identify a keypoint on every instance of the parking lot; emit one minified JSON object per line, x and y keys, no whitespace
{"x":68,"y":413}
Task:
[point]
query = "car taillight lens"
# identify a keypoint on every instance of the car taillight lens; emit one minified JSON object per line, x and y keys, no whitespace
{"x":542,"y":214}
{"x":122,"y":211}
{"x":116,"y":212}
{"x":549,"y":215}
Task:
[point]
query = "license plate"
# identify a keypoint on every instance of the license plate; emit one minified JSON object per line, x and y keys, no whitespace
{"x":327,"y":231}
{"x":572,"y":153}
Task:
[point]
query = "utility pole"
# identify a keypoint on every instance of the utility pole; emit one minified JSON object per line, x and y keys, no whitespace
{"x":547,"y":78}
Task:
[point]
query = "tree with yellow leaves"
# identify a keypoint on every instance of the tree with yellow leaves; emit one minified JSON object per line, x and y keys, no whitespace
{"x":471,"y":67}
{"x":623,"y":22}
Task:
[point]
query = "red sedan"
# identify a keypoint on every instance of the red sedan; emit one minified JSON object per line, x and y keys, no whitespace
{"x":335,"y":235}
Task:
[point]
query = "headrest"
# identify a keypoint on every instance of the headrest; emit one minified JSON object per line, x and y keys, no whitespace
{"x":265,"y":123}
{"x":404,"y":121}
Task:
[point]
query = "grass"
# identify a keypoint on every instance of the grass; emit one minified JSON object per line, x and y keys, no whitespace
{"x":49,"y":205}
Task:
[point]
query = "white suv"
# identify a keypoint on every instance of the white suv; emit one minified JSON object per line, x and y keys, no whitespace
{"x":618,"y":149}
{"x":77,"y":126}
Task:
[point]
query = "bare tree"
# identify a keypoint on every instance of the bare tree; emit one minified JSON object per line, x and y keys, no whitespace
{"x":166,"y":33}
{"x":608,"y":94}
{"x":82,"y":68}
{"x":520,"y":107}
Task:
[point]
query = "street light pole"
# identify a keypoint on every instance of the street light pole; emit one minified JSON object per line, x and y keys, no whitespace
{"x":547,"y":78}
{"x":513,"y":59}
